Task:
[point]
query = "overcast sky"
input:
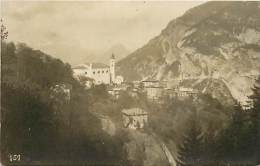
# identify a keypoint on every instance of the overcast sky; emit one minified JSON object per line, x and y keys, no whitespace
{"x":69,"y":29}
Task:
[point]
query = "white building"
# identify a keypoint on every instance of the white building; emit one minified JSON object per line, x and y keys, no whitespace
{"x":186,"y":92}
{"x":134,"y":118}
{"x":99,"y":72}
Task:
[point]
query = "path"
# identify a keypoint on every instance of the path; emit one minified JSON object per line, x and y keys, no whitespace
{"x":166,"y":151}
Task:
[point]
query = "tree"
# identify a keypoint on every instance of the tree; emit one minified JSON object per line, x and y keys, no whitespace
{"x":4,"y":32}
{"x":29,"y":124}
{"x":190,"y":151}
{"x":209,"y":144}
{"x":236,"y":143}
{"x":126,"y":101}
{"x":255,"y":116}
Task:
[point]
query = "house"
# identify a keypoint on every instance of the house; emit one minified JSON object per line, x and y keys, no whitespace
{"x":99,"y":72}
{"x":154,"y":92}
{"x":170,"y":92}
{"x":247,"y":104}
{"x":150,"y":82}
{"x":153,"y":88}
{"x":134,"y":118}
{"x":186,"y":92}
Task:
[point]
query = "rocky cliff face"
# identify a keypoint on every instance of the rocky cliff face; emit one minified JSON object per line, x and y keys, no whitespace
{"x":219,"y":40}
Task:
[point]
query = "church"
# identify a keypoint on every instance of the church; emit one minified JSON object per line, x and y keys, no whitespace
{"x":100,"y":73}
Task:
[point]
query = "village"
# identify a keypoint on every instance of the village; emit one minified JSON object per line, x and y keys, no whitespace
{"x":156,"y":91}
{"x":138,"y":118}
{"x":151,"y":89}
{"x":137,"y":83}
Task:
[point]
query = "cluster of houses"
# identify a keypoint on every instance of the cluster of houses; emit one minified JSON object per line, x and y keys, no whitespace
{"x":137,"y":118}
{"x":155,"y":90}
{"x":99,"y":73}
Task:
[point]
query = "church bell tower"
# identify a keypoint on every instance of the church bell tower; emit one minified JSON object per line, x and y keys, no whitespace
{"x":112,"y":69}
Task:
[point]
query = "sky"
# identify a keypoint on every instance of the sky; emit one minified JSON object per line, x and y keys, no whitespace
{"x":68,"y":30}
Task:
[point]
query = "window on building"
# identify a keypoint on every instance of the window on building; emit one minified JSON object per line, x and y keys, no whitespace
{"x":107,"y":71}
{"x":93,"y":72}
{"x":98,"y":72}
{"x":102,"y":71}
{"x":86,"y":72}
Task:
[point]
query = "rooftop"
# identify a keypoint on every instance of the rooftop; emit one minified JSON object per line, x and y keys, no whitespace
{"x":97,"y":65}
{"x":80,"y":67}
{"x":134,"y":111}
{"x":150,"y":80}
{"x":158,"y":87}
{"x":94,"y":66}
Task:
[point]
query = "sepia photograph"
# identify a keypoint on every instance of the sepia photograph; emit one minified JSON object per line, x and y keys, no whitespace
{"x":130,"y":83}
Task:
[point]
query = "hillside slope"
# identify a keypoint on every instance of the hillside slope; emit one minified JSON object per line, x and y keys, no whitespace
{"x":215,"y":39}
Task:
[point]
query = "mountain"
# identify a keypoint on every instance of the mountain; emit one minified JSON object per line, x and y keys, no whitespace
{"x":216,"y":40}
{"x":88,"y":56}
{"x":119,"y":50}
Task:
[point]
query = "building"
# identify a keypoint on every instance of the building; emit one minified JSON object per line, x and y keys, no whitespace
{"x":154,"y":92}
{"x":150,"y":82}
{"x":247,"y":104}
{"x":134,"y":118}
{"x":171,"y":93}
{"x":153,"y":89}
{"x":99,"y":72}
{"x":183,"y":92}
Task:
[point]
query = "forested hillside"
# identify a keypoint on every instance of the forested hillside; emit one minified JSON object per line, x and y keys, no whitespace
{"x":41,"y":125}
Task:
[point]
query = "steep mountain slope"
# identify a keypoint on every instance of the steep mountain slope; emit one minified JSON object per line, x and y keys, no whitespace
{"x":119,"y":50}
{"x":215,"y":39}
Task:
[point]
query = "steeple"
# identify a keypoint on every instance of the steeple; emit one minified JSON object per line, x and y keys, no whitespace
{"x":112,"y":68}
{"x":113,"y":56}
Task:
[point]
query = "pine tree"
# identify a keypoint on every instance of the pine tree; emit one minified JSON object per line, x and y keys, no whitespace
{"x":228,"y":139}
{"x":255,"y":117}
{"x":190,"y":151}
{"x":236,"y":143}
{"x":209,"y":144}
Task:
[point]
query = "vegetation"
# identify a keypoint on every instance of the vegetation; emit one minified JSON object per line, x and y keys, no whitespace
{"x":236,"y":144}
{"x":190,"y":152}
{"x":41,"y":125}
{"x":215,"y":135}
{"x":45,"y":124}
